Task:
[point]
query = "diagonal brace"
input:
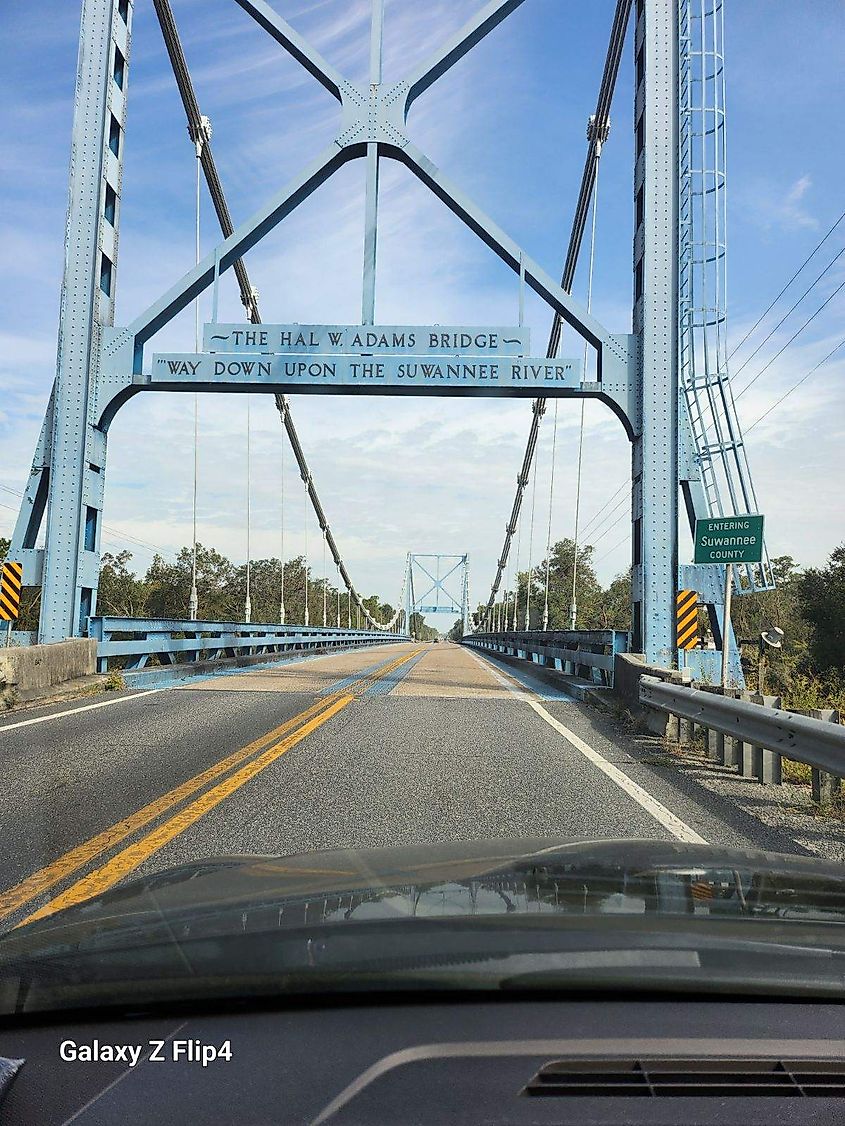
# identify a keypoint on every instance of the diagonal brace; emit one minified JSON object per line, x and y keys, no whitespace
{"x":509,"y":251}
{"x":454,"y":49}
{"x":196,"y":280}
{"x":295,"y":45}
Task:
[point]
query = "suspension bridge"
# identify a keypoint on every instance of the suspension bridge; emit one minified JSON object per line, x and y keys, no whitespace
{"x":379,"y":756}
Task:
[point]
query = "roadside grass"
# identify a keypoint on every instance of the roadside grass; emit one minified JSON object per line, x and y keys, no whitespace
{"x":796,"y":773}
{"x":114,"y":682}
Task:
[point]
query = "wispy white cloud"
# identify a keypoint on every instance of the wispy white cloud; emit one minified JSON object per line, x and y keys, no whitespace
{"x":779,"y":208}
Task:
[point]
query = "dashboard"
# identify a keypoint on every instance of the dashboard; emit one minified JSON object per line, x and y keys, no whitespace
{"x":588,"y":1061}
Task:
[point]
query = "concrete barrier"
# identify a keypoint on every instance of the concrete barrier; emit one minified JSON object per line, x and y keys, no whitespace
{"x":26,"y":672}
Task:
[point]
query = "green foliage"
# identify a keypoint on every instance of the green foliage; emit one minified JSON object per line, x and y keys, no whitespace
{"x":597,"y":608}
{"x":807,"y":691}
{"x":380,"y":611}
{"x":821,"y":597}
{"x":752,"y":613}
{"x":114,"y":682}
{"x":457,"y":630}
{"x":165,"y":590}
{"x":120,"y":591}
{"x":420,"y":630}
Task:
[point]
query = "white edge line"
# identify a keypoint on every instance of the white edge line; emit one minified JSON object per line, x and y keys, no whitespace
{"x":678,"y":828}
{"x":76,"y":711}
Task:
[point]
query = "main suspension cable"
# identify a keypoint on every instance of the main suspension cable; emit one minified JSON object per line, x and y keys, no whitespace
{"x":516,"y":575}
{"x":249,"y":296}
{"x":579,"y":222}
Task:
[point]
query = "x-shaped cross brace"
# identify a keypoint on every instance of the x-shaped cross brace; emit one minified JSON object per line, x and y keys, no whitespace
{"x":374,"y":126}
{"x":437,"y":583}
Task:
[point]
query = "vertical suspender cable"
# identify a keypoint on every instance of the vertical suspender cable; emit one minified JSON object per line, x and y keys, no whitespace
{"x":608,"y":83}
{"x":505,"y":596}
{"x":248,"y":599}
{"x":508,"y":577}
{"x":199,"y":139}
{"x":549,"y":533}
{"x":599,"y":141}
{"x":573,"y":606}
{"x":306,"y":618}
{"x":516,"y":573}
{"x":282,"y":531}
{"x":325,"y":583}
{"x":531,"y":546}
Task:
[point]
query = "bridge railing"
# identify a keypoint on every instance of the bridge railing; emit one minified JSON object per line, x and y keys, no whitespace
{"x":754,"y":734}
{"x":175,"y":640}
{"x":588,"y":654}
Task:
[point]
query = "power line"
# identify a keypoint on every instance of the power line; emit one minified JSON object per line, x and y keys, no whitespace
{"x":616,"y":507}
{"x":607,"y":503}
{"x":106,"y":528}
{"x":788,"y":284}
{"x":611,"y":550}
{"x":609,"y":529}
{"x":796,"y":334}
{"x":786,"y":315}
{"x":794,"y":387}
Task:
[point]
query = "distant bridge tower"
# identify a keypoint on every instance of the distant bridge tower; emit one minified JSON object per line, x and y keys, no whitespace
{"x":429,"y":574}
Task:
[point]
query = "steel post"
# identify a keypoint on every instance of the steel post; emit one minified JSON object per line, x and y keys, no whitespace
{"x":77,"y":448}
{"x":655,"y":454}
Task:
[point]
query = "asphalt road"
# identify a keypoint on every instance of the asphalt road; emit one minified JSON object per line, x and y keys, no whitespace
{"x":391,"y":745}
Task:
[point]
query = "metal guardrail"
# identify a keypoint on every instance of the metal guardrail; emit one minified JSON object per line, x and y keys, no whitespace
{"x":754,"y":736}
{"x":589,"y":654}
{"x":174,"y":640}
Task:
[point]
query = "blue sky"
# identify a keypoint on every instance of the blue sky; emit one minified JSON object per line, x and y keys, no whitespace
{"x":507,"y":124}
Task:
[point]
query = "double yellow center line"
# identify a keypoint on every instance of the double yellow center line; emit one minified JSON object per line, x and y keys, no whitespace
{"x":233,"y":771}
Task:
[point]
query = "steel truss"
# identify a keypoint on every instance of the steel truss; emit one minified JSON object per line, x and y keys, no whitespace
{"x":100,"y":367}
{"x":430,"y":566}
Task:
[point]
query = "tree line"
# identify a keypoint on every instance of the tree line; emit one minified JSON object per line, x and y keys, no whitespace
{"x":808,"y":605}
{"x":164,"y":591}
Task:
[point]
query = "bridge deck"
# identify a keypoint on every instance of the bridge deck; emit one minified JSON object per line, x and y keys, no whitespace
{"x":400,"y":744}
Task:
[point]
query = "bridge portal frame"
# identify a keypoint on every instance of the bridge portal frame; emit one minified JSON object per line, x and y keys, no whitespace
{"x":99,"y":367}
{"x":416,"y":603}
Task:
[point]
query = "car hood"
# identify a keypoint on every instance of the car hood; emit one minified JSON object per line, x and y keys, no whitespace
{"x":163,"y":923}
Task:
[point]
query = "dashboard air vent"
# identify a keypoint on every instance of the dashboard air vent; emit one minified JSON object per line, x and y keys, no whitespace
{"x":692,"y":1078}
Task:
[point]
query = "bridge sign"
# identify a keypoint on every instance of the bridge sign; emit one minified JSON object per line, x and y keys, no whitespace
{"x":366,"y":340}
{"x":729,"y":539}
{"x":417,"y":374}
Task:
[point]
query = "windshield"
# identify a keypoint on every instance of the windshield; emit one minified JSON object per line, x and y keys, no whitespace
{"x":416,"y":573}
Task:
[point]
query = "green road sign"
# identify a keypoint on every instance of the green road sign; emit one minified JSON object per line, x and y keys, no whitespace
{"x":729,"y":539}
